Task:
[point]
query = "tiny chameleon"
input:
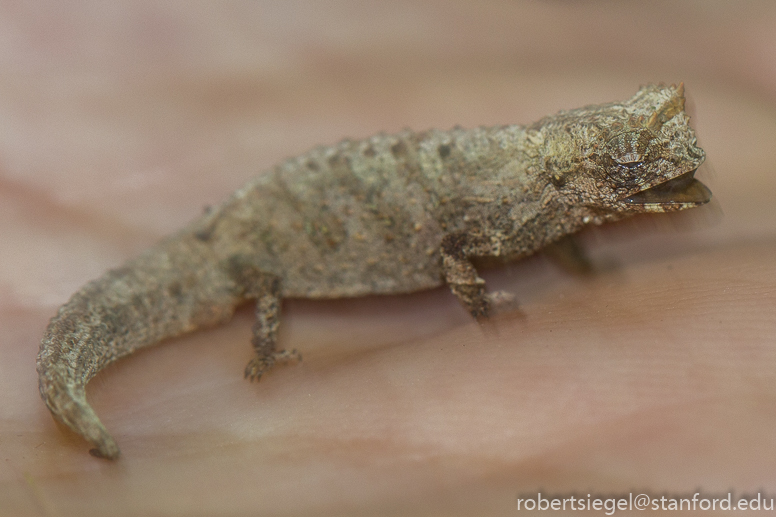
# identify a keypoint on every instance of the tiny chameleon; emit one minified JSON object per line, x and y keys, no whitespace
{"x":385,"y":215}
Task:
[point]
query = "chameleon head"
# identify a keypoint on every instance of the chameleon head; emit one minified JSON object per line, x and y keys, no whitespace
{"x":636,"y":156}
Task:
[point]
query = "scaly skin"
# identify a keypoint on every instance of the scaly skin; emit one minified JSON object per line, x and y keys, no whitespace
{"x":390,"y":214}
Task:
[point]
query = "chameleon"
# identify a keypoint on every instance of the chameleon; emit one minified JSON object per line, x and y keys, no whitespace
{"x":383,"y":215}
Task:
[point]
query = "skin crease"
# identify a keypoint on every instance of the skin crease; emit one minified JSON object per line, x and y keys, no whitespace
{"x":658,"y":374}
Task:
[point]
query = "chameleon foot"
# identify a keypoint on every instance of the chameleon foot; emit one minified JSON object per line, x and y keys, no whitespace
{"x":259,"y":365}
{"x":502,"y":301}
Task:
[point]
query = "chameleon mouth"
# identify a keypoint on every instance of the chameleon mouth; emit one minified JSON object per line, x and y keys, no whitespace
{"x":675,"y":194}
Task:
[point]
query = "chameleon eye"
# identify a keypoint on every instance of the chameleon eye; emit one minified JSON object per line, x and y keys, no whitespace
{"x":624,"y":173}
{"x":629,"y":148}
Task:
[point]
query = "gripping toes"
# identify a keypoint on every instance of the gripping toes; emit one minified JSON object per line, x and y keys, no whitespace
{"x":260,"y":365}
{"x":502,"y":301}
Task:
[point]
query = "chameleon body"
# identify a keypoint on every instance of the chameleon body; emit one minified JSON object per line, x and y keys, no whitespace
{"x":389,"y":214}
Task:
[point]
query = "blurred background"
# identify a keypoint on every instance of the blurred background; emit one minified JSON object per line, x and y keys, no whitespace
{"x":120,"y":121}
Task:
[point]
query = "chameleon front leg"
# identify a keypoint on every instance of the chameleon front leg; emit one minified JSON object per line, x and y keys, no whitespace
{"x":265,"y":288}
{"x":461,"y":276}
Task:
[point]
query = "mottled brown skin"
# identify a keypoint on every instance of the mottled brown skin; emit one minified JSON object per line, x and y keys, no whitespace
{"x":390,"y":214}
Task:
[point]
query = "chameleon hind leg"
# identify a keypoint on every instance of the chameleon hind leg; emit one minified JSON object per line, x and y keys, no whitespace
{"x":266,"y":290}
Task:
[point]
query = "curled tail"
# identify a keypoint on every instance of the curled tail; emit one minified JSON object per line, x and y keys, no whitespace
{"x":171,"y":289}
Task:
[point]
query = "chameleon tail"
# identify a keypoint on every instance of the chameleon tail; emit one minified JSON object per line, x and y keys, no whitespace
{"x":171,"y":289}
{"x":67,"y":401}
